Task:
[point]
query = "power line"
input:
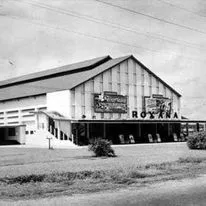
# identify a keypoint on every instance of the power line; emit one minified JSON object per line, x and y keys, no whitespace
{"x":95,"y":20}
{"x":114,"y":25}
{"x":152,"y":17}
{"x":96,"y":37}
{"x":182,"y":8}
{"x":82,"y":34}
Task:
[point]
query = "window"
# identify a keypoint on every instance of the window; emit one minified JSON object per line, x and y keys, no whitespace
{"x":12,"y":132}
{"x":31,"y":132}
{"x":27,"y":132}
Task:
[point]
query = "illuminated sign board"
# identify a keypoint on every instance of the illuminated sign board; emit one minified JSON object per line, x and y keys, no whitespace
{"x":110,"y":102}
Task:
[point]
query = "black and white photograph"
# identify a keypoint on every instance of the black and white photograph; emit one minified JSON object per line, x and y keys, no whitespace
{"x":102,"y":103}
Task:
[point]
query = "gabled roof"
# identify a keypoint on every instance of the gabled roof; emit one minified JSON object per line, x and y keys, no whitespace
{"x":80,"y":66}
{"x":76,"y":79}
{"x":149,"y":71}
{"x":68,"y":77}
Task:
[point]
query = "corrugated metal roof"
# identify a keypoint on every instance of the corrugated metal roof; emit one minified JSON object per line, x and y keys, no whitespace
{"x":53,"y":84}
{"x":88,"y":64}
{"x":32,"y":86}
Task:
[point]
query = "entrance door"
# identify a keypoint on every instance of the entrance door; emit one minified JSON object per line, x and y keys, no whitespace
{"x":120,"y":133}
{"x":163,"y":131}
{"x":148,"y":132}
{"x":2,"y":135}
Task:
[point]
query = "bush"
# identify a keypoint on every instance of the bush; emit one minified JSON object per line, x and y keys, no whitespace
{"x":197,"y":141}
{"x":102,"y":147}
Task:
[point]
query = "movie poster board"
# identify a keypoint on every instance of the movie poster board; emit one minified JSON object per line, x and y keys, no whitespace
{"x":158,"y":104}
{"x":110,"y":102}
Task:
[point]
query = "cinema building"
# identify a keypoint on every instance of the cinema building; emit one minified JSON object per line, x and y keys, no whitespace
{"x":118,"y":99}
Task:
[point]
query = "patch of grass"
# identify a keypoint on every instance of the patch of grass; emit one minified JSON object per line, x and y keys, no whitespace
{"x":170,"y":165}
{"x":56,"y":183}
{"x":23,"y":179}
{"x":191,"y":160}
{"x":69,"y":182}
{"x":117,"y":176}
{"x":161,"y":166}
{"x":54,"y":177}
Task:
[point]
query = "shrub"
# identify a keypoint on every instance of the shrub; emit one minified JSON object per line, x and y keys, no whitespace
{"x":197,"y":141}
{"x":102,"y":147}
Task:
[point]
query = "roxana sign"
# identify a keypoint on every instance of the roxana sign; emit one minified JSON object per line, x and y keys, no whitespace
{"x":153,"y":115}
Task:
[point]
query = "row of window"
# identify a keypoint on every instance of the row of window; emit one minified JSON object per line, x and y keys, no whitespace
{"x":15,"y":112}
{"x":29,"y":132}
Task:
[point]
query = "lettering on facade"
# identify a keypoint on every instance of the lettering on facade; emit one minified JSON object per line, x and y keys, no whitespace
{"x":152,"y":115}
{"x":156,"y":107}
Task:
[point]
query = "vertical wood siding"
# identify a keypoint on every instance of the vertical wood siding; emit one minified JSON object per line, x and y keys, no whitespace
{"x":127,"y":78}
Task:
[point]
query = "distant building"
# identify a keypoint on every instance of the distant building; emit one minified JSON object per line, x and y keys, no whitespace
{"x":119,"y":99}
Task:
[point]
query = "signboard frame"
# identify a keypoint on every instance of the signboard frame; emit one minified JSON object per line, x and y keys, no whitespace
{"x":156,"y":109}
{"x":105,"y":102}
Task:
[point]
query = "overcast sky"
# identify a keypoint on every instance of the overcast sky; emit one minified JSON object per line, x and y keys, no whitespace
{"x":168,"y":36}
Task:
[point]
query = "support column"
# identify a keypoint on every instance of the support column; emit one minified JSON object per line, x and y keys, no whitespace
{"x":36,"y":119}
{"x":104,"y":132}
{"x":58,"y":130}
{"x":87,"y":135}
{"x":198,"y":126}
{"x":168,"y":133}
{"x":155,"y":128}
{"x":139,"y":128}
{"x":6,"y":133}
{"x":187,"y":128}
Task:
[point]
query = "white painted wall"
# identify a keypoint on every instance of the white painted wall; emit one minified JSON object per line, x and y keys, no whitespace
{"x":17,"y":111}
{"x":23,"y":103}
{"x":59,"y":101}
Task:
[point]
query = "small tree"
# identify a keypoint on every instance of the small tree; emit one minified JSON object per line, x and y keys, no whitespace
{"x":102,"y":147}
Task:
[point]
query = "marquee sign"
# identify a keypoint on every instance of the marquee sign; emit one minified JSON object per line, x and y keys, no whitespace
{"x":110,"y":102}
{"x":156,"y":107}
{"x":157,"y":104}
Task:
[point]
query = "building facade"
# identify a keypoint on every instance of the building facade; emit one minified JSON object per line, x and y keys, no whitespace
{"x":118,"y":99}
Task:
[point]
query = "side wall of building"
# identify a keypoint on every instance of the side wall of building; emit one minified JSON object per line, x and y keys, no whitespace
{"x":60,"y":102}
{"x":18,"y":111}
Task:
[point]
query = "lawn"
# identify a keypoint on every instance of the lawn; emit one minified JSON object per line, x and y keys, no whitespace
{"x":36,"y":173}
{"x":25,"y":161}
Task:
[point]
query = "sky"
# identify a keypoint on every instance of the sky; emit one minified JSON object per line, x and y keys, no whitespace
{"x":167,"y":36}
